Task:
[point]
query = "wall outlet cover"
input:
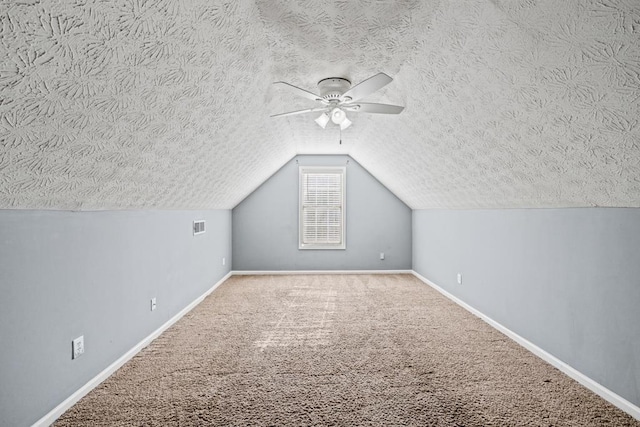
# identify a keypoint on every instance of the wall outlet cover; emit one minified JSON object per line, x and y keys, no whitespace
{"x":153,"y":304}
{"x":77,"y":347}
{"x":459,"y":278}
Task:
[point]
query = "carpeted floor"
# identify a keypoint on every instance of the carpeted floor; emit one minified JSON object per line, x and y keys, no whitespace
{"x":337,"y":350}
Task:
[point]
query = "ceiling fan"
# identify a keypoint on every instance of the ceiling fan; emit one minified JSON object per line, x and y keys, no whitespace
{"x":337,"y":97}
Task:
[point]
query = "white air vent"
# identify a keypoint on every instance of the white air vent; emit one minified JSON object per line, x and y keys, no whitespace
{"x":198,"y":227}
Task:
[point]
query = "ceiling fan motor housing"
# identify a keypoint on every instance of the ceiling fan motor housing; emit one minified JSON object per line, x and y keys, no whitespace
{"x":332,"y":88}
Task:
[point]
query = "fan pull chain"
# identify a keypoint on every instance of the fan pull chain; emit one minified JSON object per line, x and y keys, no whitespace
{"x":340,"y":136}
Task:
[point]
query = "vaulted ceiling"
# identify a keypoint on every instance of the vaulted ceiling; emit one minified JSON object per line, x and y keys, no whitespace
{"x":165,"y":104}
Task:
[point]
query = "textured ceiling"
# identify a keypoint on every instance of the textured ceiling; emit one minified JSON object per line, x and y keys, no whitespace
{"x":164,"y":104}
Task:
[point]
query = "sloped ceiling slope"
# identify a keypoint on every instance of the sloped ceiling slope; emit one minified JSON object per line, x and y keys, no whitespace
{"x":517,"y":104}
{"x":134,"y":104}
{"x":165,"y":103}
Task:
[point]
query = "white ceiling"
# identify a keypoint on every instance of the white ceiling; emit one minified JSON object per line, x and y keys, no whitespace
{"x":165,"y":104}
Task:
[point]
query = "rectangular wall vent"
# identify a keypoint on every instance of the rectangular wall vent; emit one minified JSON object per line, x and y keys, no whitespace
{"x":198,"y":227}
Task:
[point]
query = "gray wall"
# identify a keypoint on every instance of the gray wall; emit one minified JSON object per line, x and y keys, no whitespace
{"x":567,"y":280}
{"x":265,"y":224}
{"x":66,"y":274}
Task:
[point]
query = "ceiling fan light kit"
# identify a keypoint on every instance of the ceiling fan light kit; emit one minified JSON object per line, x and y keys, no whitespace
{"x":338,"y":116}
{"x":322,"y":120}
{"x":337,"y":97}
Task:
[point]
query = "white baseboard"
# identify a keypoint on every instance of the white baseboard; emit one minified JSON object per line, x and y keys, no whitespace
{"x":53,"y":415}
{"x":292,"y":272}
{"x":597,"y":388}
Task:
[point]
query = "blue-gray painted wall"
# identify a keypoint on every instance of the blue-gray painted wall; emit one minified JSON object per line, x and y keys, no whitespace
{"x":66,"y":274}
{"x":568,"y":280}
{"x":265,"y":224}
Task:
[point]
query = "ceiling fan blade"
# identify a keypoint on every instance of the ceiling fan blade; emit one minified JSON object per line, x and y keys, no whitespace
{"x":292,"y":113}
{"x":301,"y":92}
{"x":367,"y":87}
{"x":369,"y":107}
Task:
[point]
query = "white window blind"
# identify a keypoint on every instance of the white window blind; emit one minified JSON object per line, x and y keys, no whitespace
{"x":322,"y":208}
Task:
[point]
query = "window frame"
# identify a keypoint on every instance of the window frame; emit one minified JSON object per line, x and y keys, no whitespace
{"x":302,"y":171}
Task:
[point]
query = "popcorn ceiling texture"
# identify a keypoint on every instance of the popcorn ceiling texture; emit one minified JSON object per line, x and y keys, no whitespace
{"x":164,"y":104}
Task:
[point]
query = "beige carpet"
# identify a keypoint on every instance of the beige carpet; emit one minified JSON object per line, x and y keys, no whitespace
{"x":337,"y":350}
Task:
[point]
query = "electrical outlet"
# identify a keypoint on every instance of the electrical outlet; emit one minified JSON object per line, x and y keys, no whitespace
{"x":77,"y":347}
{"x":224,"y":261}
{"x":153,"y":303}
{"x":381,"y":255}
{"x":459,"y":278}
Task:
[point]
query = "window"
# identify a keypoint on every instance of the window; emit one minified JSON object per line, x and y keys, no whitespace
{"x":322,"y":207}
